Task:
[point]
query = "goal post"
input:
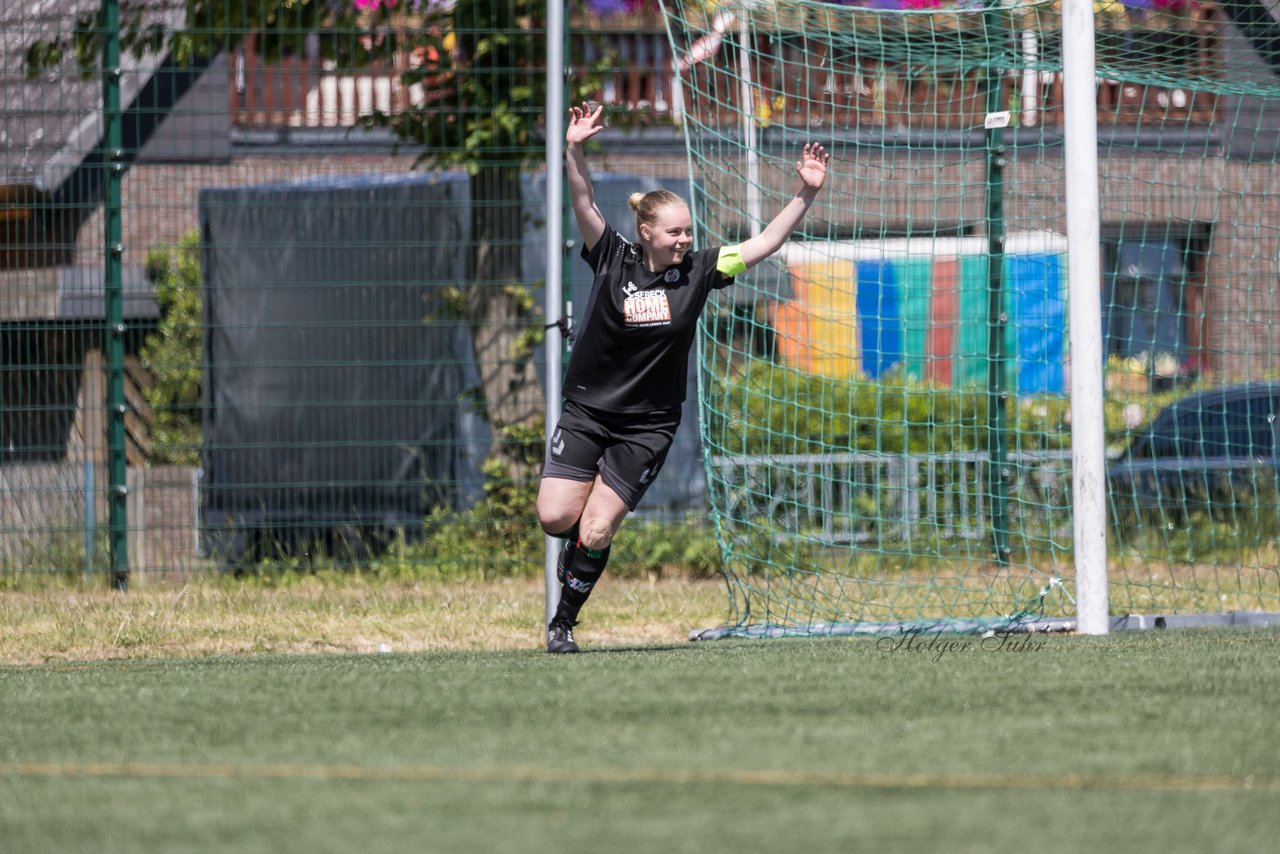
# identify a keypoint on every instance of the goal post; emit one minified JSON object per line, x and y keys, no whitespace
{"x":937,"y":405}
{"x":1088,"y":431}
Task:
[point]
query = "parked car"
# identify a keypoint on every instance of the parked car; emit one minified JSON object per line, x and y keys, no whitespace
{"x":1209,"y":451}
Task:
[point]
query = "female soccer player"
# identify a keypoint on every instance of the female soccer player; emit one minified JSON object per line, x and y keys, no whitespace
{"x":625,"y":382}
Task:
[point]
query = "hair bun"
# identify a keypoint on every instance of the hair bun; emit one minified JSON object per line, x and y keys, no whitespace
{"x":634,"y":200}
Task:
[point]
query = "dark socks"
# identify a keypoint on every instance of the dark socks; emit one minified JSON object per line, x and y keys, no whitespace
{"x":581,"y":568}
{"x":567,"y":550}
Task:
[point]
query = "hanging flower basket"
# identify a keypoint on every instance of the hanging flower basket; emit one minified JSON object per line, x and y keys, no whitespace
{"x":630,"y":15}
{"x":771,"y":15}
{"x":1151,"y":15}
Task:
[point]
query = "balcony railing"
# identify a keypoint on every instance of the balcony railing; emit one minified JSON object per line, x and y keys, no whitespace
{"x":799,"y":81}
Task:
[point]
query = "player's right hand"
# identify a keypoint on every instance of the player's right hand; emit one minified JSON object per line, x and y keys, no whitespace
{"x":584,"y":122}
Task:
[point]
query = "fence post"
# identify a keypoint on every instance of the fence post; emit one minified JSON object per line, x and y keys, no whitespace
{"x":90,"y":523}
{"x":113,"y":172}
{"x":554,"y":294}
{"x":997,"y":318}
{"x":911,"y":491}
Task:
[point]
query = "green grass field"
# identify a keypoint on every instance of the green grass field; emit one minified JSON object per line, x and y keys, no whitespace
{"x":1142,"y":742}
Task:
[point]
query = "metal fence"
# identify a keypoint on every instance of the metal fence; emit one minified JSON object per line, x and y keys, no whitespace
{"x":267,"y":278}
{"x":897,"y":499}
{"x":270,"y":287}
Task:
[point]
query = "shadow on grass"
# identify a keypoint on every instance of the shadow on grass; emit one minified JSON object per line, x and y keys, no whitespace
{"x":609,"y":650}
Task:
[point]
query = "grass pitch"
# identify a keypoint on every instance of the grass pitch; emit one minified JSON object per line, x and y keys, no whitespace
{"x":1147,"y":742}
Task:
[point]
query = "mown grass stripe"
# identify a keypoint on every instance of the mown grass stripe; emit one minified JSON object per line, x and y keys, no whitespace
{"x":660,"y":776}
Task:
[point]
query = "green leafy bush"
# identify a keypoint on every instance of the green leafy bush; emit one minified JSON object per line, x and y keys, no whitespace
{"x":174,"y":353}
{"x":774,"y":409}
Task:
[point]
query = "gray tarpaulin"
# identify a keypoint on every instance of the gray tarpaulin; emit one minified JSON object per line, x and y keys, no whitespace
{"x":333,"y":373}
{"x":338,"y":386}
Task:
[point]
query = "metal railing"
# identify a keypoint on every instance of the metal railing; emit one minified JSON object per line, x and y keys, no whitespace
{"x":797,"y":85}
{"x":848,"y":498}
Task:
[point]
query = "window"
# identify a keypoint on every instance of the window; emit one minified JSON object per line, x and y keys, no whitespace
{"x":1152,"y":298}
{"x":1142,"y":298}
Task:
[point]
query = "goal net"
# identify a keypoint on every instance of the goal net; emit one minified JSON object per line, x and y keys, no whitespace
{"x":885,"y":403}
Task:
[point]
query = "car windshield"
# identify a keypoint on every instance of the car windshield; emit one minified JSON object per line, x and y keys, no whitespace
{"x":1236,"y":428}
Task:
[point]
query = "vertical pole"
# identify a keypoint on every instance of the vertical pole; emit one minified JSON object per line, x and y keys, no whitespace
{"x":90,"y":533}
{"x":1088,"y":437}
{"x":999,"y":473}
{"x":750,"y":136}
{"x":554,"y":293}
{"x":1030,"y":100}
{"x":113,"y":172}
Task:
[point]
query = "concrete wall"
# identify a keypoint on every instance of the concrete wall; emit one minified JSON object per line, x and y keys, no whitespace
{"x":49,"y":510}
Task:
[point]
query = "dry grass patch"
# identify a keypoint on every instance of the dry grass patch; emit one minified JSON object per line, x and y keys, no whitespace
{"x":217,"y":616}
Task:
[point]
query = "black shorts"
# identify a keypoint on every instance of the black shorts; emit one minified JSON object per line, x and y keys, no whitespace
{"x":626,"y":450}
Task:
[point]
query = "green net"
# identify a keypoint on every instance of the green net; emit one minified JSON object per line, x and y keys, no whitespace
{"x":886,"y":416}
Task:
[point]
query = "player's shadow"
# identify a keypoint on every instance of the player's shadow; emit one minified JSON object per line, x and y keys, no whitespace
{"x":607,"y":650}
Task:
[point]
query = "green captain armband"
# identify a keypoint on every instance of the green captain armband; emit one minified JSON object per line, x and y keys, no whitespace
{"x":730,"y":261}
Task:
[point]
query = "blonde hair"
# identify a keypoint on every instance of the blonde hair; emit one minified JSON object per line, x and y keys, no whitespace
{"x":647,"y":205}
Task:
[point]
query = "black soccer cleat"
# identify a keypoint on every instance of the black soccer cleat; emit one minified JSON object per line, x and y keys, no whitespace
{"x":560,"y":637}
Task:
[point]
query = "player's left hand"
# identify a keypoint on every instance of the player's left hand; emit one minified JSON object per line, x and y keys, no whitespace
{"x":812,"y":167}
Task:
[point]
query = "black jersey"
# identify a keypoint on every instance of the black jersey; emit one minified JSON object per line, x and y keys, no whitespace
{"x":631,"y":353}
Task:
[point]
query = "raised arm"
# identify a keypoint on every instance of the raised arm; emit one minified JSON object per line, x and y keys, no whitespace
{"x":583,"y":124}
{"x":812,"y":170}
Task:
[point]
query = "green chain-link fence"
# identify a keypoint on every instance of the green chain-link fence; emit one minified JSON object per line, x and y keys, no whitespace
{"x":272,"y":277}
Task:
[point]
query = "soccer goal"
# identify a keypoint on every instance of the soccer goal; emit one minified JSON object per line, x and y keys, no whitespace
{"x":886,"y":405}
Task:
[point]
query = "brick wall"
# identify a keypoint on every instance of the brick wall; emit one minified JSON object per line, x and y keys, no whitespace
{"x":1242,"y":268}
{"x":160,"y":200}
